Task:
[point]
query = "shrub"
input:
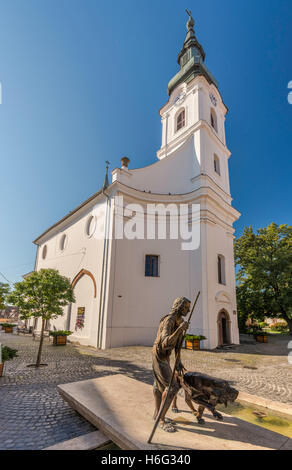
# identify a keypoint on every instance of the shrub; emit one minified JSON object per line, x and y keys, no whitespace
{"x":259,"y":333}
{"x":197,"y":337}
{"x":262,"y":324}
{"x":60,"y":333}
{"x":8,"y":325}
{"x":8,"y":353}
{"x":279,"y":326}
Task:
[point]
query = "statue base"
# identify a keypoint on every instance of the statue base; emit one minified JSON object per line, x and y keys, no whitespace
{"x":122,"y":409}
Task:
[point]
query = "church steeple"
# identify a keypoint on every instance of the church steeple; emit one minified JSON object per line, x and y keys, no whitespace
{"x":191,"y":47}
{"x":191,"y":59}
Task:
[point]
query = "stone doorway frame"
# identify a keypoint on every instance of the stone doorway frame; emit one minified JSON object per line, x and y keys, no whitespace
{"x":223,"y":314}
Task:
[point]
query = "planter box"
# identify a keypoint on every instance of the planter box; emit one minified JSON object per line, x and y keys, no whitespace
{"x":8,"y":330}
{"x":262,"y":339}
{"x":60,"y":340}
{"x":193,"y":344}
{"x":1,"y":368}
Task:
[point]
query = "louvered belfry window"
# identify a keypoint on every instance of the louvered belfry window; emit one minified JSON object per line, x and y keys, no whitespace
{"x":180,"y":120}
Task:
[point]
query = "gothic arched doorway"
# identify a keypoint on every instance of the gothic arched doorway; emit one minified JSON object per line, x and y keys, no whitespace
{"x":85,"y":291}
{"x":224,"y":327}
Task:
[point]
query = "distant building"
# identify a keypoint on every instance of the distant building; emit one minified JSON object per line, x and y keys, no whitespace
{"x":123,"y":287}
{"x":10,"y":313}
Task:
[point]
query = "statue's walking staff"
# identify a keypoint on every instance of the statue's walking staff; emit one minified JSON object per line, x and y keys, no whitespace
{"x":172,"y":377}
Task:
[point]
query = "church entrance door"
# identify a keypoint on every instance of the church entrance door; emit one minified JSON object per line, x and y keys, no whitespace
{"x":224,"y":325}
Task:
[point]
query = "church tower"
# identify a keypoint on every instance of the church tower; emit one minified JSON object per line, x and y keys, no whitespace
{"x":194,"y":119}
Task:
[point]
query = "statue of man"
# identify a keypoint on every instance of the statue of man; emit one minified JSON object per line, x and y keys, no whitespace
{"x":171,"y":329}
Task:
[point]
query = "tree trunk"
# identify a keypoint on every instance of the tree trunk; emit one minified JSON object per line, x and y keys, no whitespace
{"x":289,"y":321}
{"x":38,"y":362}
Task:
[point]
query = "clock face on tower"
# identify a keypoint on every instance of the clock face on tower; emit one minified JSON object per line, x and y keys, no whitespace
{"x":180,"y":98}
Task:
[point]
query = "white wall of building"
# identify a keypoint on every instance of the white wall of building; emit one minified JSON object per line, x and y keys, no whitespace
{"x":81,"y":252}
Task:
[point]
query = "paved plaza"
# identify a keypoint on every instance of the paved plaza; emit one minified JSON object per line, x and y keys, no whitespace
{"x":34,"y":416}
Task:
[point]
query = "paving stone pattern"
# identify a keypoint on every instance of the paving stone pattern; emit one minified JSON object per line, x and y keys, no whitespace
{"x":34,"y":416}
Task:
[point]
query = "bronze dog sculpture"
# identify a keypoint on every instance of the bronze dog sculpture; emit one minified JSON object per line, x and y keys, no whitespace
{"x":206,"y":391}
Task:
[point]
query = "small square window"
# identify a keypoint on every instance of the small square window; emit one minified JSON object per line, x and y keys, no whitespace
{"x":152,"y":266}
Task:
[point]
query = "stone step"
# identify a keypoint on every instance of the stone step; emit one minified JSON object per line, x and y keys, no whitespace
{"x":89,"y":441}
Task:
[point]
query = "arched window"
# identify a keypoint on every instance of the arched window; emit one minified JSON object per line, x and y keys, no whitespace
{"x":221,"y":270}
{"x":214,"y":119}
{"x":216,"y":164}
{"x":63,"y":242}
{"x":90,"y":226}
{"x":180,"y":120}
{"x":44,"y":252}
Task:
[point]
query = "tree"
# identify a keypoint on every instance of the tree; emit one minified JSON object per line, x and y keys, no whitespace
{"x":43,"y":294}
{"x":4,"y":291}
{"x":265,"y":273}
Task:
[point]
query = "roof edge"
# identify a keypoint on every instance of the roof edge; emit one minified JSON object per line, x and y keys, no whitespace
{"x":87,"y":201}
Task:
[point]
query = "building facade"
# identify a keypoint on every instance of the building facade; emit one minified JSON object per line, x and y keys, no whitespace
{"x":124,"y":285}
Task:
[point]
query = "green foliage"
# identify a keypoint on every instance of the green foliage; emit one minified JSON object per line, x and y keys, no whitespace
{"x":8,"y":353}
{"x":265,"y":273}
{"x":42,"y":294}
{"x":259,"y":333}
{"x":60,"y":333}
{"x":8,"y":325}
{"x":263,"y":324}
{"x":279,"y":326}
{"x":197,"y":337}
{"x":4,"y":291}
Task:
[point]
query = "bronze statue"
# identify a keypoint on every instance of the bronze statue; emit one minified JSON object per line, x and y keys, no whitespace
{"x":170,"y":333}
{"x":206,"y":391}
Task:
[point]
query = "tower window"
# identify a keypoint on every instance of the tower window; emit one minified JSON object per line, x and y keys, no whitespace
{"x":216,"y":164}
{"x":152,"y":266}
{"x":184,"y":59}
{"x":214,"y":120}
{"x":181,"y":120}
{"x":221,"y":269}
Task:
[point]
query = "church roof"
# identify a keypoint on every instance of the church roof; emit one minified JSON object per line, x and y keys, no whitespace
{"x":191,"y":60}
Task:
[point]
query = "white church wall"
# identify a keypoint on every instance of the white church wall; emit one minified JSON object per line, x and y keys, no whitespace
{"x":219,"y":242}
{"x":80,"y":252}
{"x":139,"y":302}
{"x":169,"y":175}
{"x":209,"y":149}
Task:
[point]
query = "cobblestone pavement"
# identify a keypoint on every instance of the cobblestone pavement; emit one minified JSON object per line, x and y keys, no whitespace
{"x":34,"y":416}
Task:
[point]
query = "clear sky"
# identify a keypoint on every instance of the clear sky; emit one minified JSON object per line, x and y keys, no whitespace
{"x":82,"y":82}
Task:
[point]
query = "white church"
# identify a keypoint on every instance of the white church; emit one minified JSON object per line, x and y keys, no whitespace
{"x":124,"y":286}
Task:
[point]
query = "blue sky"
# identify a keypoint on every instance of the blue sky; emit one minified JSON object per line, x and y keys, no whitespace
{"x":82,"y":82}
